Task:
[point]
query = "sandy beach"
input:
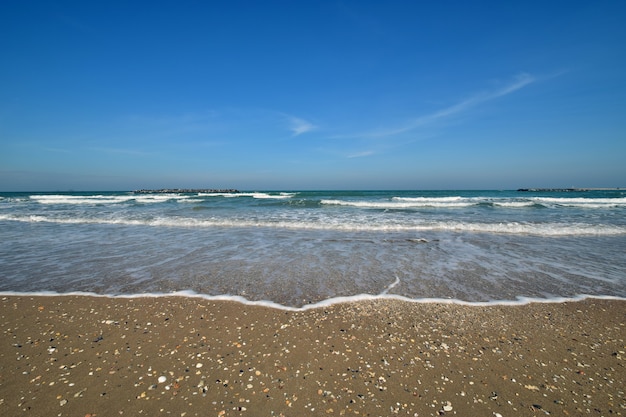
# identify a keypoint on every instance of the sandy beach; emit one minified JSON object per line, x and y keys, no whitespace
{"x":177,"y":356}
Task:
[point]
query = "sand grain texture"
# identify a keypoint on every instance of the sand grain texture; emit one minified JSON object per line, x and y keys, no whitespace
{"x":177,"y":356}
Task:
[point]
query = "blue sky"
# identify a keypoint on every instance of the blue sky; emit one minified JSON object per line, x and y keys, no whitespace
{"x":112,"y":95}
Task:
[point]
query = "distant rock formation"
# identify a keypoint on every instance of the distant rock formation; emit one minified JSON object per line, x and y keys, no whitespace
{"x":560,"y":190}
{"x":188,"y":191}
{"x":568,"y":190}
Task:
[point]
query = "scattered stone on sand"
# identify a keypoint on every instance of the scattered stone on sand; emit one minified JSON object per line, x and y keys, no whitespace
{"x":79,"y":356}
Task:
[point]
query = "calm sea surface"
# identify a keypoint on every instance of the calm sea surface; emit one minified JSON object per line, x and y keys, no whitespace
{"x":300,"y":247}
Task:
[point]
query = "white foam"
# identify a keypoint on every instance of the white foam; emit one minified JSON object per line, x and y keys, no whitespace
{"x":282,"y":195}
{"x":513,"y":204}
{"x":581,"y":202}
{"x":460,"y":202}
{"x":397,"y":203}
{"x":105,"y":199}
{"x":429,"y":199}
{"x":403,"y":203}
{"x":346,"y":225}
{"x":272,"y":196}
{"x":518,"y":301}
{"x":391,"y":286}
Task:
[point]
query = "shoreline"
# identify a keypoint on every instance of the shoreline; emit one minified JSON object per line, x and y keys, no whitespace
{"x":329,"y":302}
{"x":186,"y":356}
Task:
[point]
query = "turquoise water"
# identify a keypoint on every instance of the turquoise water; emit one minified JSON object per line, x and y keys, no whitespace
{"x":300,"y":247}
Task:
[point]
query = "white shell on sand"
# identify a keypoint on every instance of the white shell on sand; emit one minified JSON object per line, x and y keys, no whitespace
{"x":162,"y":379}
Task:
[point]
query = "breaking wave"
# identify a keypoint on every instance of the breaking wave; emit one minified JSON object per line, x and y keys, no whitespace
{"x":353,"y":225}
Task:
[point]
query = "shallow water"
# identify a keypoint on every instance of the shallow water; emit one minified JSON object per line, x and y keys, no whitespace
{"x":298,"y":248}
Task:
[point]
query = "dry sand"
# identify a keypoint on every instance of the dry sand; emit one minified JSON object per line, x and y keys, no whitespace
{"x":176,"y":356}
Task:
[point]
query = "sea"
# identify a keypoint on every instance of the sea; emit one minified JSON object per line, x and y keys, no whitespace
{"x":302,"y":249}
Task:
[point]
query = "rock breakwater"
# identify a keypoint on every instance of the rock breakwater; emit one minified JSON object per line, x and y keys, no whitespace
{"x":187,"y":191}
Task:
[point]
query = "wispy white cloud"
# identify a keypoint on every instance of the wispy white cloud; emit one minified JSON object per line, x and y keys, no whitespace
{"x":299,"y":126}
{"x":57,"y":150}
{"x":361,"y":154}
{"x":216,"y":125}
{"x":518,"y":83}
{"x":174,"y":125}
{"x":119,"y":151}
{"x":521,"y":81}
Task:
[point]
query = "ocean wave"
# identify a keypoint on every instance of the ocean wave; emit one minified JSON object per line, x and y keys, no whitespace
{"x":101,"y":199}
{"x":591,"y":203}
{"x":259,"y":195}
{"x":402,"y":203}
{"x":343,"y":224}
{"x":106,"y":199}
{"x":429,"y":199}
{"x":463,"y":202}
{"x":513,"y":204}
{"x":517,"y":301}
{"x":393,"y":203}
{"x":425,"y":202}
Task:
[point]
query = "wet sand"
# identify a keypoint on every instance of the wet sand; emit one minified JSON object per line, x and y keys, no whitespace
{"x":176,"y":356}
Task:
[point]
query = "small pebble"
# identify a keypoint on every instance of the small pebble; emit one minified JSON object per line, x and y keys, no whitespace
{"x":162,"y":379}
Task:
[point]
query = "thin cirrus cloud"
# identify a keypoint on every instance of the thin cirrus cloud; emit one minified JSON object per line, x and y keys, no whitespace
{"x":120,"y":151}
{"x":518,"y":83}
{"x":360,"y":154}
{"x":300,"y":126}
{"x":214,"y":127}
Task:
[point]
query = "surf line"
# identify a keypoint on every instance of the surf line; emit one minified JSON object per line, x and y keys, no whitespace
{"x":391,"y":286}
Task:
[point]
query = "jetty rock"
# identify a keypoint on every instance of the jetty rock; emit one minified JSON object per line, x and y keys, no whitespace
{"x":188,"y":191}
